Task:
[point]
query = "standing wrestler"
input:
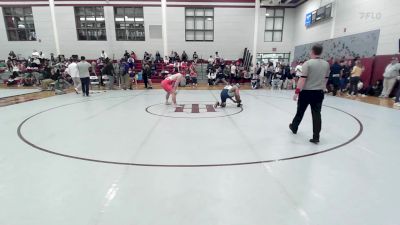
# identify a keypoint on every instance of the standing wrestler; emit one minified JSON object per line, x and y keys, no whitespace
{"x":230,"y":92}
{"x":170,"y":84}
{"x":310,"y":91}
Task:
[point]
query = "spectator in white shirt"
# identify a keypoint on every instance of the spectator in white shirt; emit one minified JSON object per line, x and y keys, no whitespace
{"x":262,"y":77}
{"x":234,"y":78}
{"x":389,"y":77}
{"x":35,"y":54}
{"x":299,"y":69}
{"x":73,"y":71}
{"x":83,"y":68}
{"x":41,"y":55}
{"x":103,"y":55}
{"x":211,"y":60}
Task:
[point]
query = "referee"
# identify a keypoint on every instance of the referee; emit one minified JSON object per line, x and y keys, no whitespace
{"x":310,"y":91}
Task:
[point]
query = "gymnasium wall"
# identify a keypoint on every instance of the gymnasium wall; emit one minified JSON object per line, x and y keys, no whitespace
{"x":288,"y":35}
{"x":44,"y":31}
{"x":362,"y":45}
{"x":352,"y":17}
{"x":233,"y":29}
{"x":69,"y":43}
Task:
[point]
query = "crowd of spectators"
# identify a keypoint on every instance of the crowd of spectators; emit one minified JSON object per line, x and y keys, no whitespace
{"x":51,"y":72}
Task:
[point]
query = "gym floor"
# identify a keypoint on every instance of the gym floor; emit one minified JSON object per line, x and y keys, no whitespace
{"x":123,"y":157}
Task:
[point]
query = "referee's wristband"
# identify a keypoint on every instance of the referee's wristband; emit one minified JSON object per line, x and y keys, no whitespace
{"x":297,"y":91}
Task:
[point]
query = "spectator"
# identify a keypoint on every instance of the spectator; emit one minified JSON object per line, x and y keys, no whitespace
{"x":125,"y":78}
{"x":183,"y":68}
{"x":52,"y":59}
{"x":133,"y":55}
{"x":108,"y":70}
{"x":389,"y":77}
{"x":158,"y":57}
{"x":84,"y":75}
{"x":151,"y":59}
{"x":177,"y":58}
{"x":35,"y":54}
{"x":397,"y":99}
{"x":35,"y":62}
{"x":126,"y":55}
{"x":195,"y":57}
{"x":134,"y":78}
{"x":334,"y":76}
{"x":220,"y":77}
{"x":49,"y":79}
{"x":73,"y":71}
{"x":355,"y":78}
{"x":184,"y":56}
{"x":193,"y":75}
{"x":346,"y":72}
{"x":233,"y":72}
{"x":41,"y":55}
{"x":211,"y":76}
{"x":131,"y":62}
{"x":146,"y":57}
{"x":172,"y":57}
{"x":287,"y":77}
{"x":103,"y":55}
{"x":210,"y":60}
{"x":374,"y":90}
{"x":255,"y":81}
{"x":61,"y":85}
{"x":270,"y":72}
{"x":146,"y":74}
{"x":28,"y":80}
{"x":216,"y":58}
{"x":12,"y":55}
{"x":222,"y":63}
{"x":278,"y":77}
{"x":12,"y":80}
{"x":166,"y":60}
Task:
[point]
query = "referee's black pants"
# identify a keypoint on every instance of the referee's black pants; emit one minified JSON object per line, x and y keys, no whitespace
{"x":314,"y":98}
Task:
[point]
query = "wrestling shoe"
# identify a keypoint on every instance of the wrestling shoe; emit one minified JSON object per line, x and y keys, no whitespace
{"x":294,"y":131}
{"x":216,"y":105}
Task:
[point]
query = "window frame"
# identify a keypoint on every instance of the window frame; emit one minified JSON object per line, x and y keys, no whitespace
{"x":95,"y":23}
{"x":286,"y":56}
{"x":204,"y":20}
{"x":127,"y":29}
{"x":273,"y":23}
{"x":24,"y":15}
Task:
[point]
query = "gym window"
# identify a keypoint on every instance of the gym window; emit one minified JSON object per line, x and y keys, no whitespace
{"x":199,"y":24}
{"x":129,"y":24}
{"x":19,"y":23}
{"x":90,"y":23}
{"x":274,"y":19}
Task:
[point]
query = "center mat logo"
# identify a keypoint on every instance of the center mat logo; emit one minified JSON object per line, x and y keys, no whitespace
{"x":194,"y":108}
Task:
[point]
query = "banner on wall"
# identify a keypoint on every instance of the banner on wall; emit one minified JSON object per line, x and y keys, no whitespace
{"x":362,"y":45}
